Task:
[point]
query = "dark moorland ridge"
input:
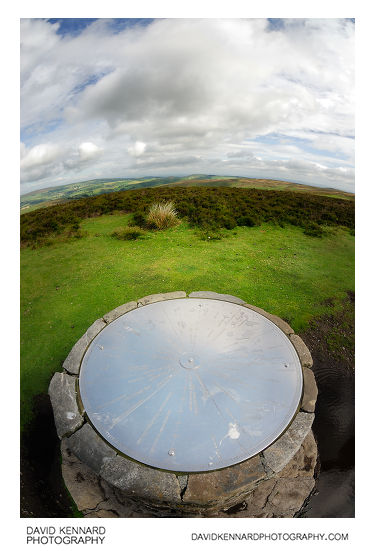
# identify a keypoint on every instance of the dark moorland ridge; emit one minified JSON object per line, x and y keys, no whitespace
{"x":205,"y":207}
{"x":57,"y":194}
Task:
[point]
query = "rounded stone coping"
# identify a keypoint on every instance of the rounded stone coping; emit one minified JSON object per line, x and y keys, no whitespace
{"x":282,"y":495}
{"x":153,"y":484}
{"x":193,"y":491}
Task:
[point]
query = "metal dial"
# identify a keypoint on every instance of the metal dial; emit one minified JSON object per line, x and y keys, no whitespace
{"x":191,"y":385}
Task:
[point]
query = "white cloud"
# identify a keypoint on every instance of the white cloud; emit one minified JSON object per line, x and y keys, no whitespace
{"x":191,"y":89}
{"x":137,"y":149}
{"x":88,"y":150}
{"x":38,"y":161}
{"x":39,"y":155}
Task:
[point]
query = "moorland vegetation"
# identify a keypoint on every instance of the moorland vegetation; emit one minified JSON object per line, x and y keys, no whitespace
{"x":208,"y":208}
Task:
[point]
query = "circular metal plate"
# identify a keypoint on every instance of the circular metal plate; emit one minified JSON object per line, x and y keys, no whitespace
{"x":191,"y":385}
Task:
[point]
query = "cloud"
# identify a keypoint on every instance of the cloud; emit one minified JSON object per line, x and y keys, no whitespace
{"x":37,"y":161}
{"x":39,"y":155}
{"x":88,"y":150}
{"x":203,"y":90}
{"x":137,"y":149}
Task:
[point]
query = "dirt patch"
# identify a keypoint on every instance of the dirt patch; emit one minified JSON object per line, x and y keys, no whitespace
{"x":330,"y":338}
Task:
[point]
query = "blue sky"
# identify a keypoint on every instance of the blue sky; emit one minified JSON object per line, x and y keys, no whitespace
{"x":137,"y":97}
{"x":73,"y":27}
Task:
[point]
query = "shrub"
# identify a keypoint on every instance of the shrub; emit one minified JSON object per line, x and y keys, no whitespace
{"x":162,"y":215}
{"x":228,"y":222}
{"x":138,"y":219}
{"x":314,"y":230}
{"x":246,"y":221}
{"x":129,"y":233}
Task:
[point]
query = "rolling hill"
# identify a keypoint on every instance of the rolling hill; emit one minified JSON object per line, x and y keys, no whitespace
{"x":89,"y":188}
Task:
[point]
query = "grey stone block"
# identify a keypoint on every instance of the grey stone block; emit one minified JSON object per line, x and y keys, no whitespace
{"x":259,"y":496}
{"x":149,"y":299}
{"x":90,"y":448}
{"x":310,"y":390}
{"x":62,"y":392}
{"x":289,"y":495}
{"x":219,"y":486}
{"x":83,"y":484}
{"x":119,"y":311}
{"x":217,"y":296}
{"x":281,"y":324}
{"x":302,"y":351}
{"x":304,"y":462}
{"x":283,"y":450}
{"x":141,"y":481}
{"x":74,"y":358}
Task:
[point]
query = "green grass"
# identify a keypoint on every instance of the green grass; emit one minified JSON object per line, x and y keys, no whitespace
{"x":67,"y":286}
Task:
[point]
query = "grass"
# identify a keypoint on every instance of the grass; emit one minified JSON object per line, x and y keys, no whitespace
{"x":128,"y":233}
{"x":68,"y":285}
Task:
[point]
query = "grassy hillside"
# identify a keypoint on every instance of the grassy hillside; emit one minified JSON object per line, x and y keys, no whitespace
{"x":204,"y":207}
{"x":54,"y":195}
{"x":68,"y":285}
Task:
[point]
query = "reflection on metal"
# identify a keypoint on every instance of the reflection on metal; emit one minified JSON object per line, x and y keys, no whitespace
{"x":191,"y":384}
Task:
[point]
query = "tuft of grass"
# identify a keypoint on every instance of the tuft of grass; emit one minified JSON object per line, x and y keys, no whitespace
{"x":162,"y":216}
{"x":210,"y":234}
{"x":128,"y":233}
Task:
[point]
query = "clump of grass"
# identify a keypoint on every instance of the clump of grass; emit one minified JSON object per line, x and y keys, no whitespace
{"x":210,"y":234}
{"x":128,"y":233}
{"x":75,"y":231}
{"x":162,"y":215}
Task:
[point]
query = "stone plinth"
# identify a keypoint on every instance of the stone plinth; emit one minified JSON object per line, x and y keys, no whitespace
{"x":105,"y":483}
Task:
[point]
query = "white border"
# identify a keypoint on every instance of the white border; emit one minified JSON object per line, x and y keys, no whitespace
{"x":172,"y":533}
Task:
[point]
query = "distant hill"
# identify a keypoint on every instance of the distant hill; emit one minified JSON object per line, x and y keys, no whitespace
{"x":57,"y":194}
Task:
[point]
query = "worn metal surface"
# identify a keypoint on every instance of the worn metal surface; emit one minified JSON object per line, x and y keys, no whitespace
{"x":191,"y":384}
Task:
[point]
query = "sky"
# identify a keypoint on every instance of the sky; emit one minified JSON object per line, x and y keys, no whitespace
{"x":262,"y":98}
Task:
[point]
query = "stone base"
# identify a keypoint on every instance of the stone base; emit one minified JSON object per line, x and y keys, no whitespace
{"x":280,"y":495}
{"x":105,"y":483}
